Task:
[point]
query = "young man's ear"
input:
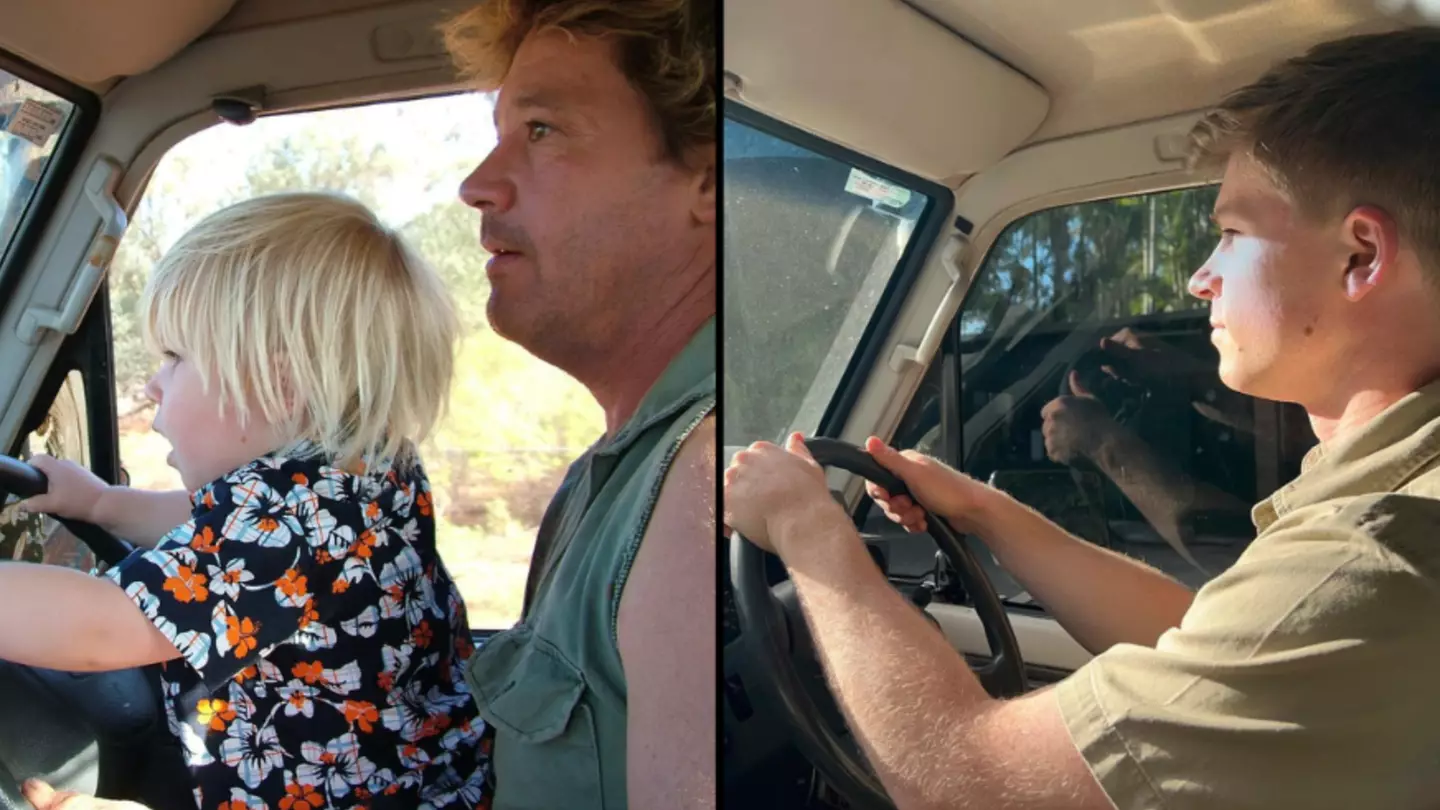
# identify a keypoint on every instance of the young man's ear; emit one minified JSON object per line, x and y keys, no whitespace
{"x":1373,"y":243}
{"x":707,"y":186}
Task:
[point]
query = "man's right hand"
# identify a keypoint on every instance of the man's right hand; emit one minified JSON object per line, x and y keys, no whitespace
{"x":942,"y":490}
{"x":74,"y":491}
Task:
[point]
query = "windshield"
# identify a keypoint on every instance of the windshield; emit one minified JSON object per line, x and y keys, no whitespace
{"x":812,"y":243}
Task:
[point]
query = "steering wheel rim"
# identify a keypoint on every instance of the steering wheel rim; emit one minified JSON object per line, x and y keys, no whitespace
{"x":23,"y":479}
{"x":764,"y":619}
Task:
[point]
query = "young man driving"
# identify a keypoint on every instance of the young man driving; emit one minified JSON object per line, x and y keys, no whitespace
{"x":1299,"y":677}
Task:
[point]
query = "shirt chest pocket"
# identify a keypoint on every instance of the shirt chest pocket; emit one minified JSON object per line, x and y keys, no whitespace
{"x":545,"y":748}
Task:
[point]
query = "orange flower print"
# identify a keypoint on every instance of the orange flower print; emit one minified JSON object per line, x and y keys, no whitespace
{"x":364,"y":545}
{"x":247,"y":673}
{"x":204,"y":541}
{"x":361,"y":714}
{"x":214,"y":713}
{"x":293,"y":585}
{"x":208,"y":499}
{"x":300,"y":796}
{"x":386,"y":681}
{"x":322,"y":556}
{"x":240,"y":633}
{"x":309,"y":614}
{"x":299,"y":478}
{"x":423,"y":501}
{"x":372,"y":510}
{"x":340,"y":586}
{"x":434,"y":724}
{"x":267,"y":524}
{"x":422,"y":634}
{"x":464,"y":648}
{"x":311,"y":673}
{"x":187,"y":585}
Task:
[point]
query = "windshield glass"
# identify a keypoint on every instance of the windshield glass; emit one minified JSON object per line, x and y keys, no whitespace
{"x":811,"y":244}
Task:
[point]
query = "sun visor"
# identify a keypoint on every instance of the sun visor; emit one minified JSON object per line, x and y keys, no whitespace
{"x":881,"y":78}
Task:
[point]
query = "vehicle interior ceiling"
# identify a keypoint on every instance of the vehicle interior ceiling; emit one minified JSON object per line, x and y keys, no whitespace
{"x":1016,"y":107}
{"x":155,"y":65}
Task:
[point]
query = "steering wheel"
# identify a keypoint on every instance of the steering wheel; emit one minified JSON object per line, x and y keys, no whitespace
{"x":24,"y":480}
{"x":120,"y":707}
{"x":780,"y":648}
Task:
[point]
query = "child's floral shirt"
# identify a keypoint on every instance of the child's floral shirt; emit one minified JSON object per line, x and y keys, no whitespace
{"x":322,"y":641}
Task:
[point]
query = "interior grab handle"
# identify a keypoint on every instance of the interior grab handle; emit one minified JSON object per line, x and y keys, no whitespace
{"x":100,"y":191}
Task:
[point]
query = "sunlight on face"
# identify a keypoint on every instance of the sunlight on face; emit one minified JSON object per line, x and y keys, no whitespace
{"x":1269,"y":287}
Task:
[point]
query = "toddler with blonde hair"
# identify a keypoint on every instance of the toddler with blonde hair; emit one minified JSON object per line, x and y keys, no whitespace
{"x":313,"y":640}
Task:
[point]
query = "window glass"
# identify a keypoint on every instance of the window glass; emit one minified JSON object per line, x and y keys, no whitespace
{"x":31,"y":120}
{"x":810,"y":244}
{"x":1088,"y":389}
{"x":514,"y":423}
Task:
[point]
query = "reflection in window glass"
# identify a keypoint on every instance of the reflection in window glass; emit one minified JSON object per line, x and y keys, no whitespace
{"x":1101,"y":260}
{"x":810,"y":244}
{"x":31,"y":119}
{"x":1088,"y":389}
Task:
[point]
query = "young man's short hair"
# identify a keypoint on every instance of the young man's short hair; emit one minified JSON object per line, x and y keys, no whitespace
{"x":1348,"y":123}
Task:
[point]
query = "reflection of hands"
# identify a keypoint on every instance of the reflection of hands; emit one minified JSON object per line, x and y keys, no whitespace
{"x":768,"y":489}
{"x":1150,"y":356}
{"x":945,"y":492}
{"x":1075,"y":426}
{"x":44,"y":797}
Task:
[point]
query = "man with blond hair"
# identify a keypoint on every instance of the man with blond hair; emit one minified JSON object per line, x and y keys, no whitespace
{"x":1299,"y":678}
{"x":598,"y":206}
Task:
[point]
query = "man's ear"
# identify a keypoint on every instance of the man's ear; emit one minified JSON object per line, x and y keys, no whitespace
{"x":1372,"y":241}
{"x":707,"y":186}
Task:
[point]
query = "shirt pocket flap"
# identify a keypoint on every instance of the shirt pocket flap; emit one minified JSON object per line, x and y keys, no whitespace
{"x":523,"y":685}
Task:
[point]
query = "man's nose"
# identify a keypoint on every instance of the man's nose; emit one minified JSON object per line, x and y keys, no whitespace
{"x":489,"y":187}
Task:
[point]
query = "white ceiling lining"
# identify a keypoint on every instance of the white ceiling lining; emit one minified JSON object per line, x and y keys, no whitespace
{"x":881,"y":78}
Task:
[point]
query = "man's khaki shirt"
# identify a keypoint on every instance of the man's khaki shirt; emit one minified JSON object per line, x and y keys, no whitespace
{"x":1308,"y":674}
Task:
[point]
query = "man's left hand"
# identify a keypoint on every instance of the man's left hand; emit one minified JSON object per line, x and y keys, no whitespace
{"x":768,"y":488}
{"x":44,"y":797}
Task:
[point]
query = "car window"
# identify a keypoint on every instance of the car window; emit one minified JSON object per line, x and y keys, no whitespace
{"x":811,"y":243}
{"x":1080,"y":378}
{"x":514,"y":423}
{"x":32,"y":120}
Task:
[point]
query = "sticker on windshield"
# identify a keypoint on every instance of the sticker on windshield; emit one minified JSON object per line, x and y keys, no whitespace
{"x":34,"y":121}
{"x":873,"y":188}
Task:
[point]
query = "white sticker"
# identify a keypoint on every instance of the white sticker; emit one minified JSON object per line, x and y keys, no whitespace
{"x":35,"y":122}
{"x":873,"y":188}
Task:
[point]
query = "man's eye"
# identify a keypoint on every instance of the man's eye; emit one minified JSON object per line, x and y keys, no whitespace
{"x":538,"y":130}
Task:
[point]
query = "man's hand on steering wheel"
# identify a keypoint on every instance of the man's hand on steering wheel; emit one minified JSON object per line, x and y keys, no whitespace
{"x":768,"y":488}
{"x":942,"y":489}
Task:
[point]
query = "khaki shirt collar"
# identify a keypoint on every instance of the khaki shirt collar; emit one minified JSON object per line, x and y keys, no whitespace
{"x":1381,"y":456}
